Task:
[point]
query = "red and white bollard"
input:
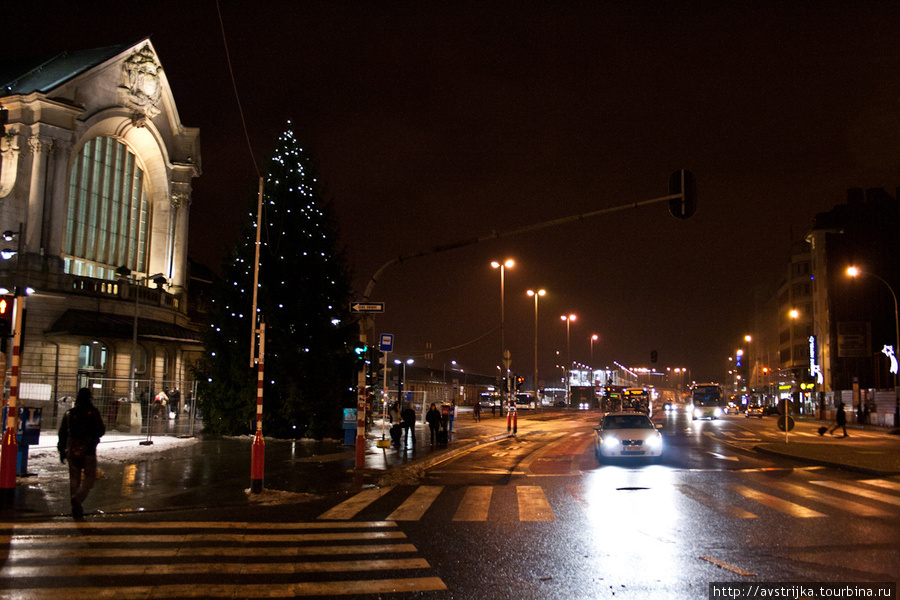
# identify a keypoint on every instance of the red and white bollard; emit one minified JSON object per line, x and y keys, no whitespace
{"x":258,"y":450}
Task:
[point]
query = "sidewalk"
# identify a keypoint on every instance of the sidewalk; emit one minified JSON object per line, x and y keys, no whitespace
{"x":394,"y":465}
{"x":867,"y":449}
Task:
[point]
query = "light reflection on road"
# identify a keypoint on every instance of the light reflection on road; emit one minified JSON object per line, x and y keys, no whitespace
{"x":634,"y":516}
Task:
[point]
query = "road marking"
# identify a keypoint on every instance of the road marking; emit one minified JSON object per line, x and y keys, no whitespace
{"x":711,"y":502}
{"x":475,"y":504}
{"x":533,"y":504}
{"x":415,"y":506}
{"x":722,"y":456}
{"x":890,"y":485}
{"x":809,"y":494}
{"x":27,"y":550}
{"x":728,"y":566}
{"x":352,"y":506}
{"x":790,"y":508}
{"x":67,"y":551}
{"x":213,"y":568}
{"x":850,"y":489}
{"x":263,"y":590}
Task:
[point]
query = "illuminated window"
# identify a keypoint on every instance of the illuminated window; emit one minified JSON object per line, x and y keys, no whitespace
{"x":92,"y":357}
{"x":108,"y":213}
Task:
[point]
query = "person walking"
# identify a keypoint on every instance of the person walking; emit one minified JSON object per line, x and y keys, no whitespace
{"x":408,"y":418}
{"x":841,"y":420}
{"x":433,"y":418}
{"x":79,"y":433}
{"x":476,"y":411}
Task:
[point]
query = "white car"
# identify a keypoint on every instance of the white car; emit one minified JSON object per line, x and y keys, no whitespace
{"x":622,"y":434}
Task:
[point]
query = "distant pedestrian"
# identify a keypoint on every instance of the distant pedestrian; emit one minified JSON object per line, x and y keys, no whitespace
{"x":79,"y":433}
{"x":408,"y":418}
{"x":476,"y":411}
{"x":841,"y":420}
{"x":433,"y":418}
{"x":160,"y":401}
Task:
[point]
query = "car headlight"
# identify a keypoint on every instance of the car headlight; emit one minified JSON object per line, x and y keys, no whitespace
{"x":718,"y":412}
{"x":697,"y":413}
{"x":610,"y":441}
{"x":654,"y":442}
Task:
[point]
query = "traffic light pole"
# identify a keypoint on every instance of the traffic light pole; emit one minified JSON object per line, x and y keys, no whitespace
{"x":365,"y":323}
{"x":9,"y":448}
{"x":682,"y":203}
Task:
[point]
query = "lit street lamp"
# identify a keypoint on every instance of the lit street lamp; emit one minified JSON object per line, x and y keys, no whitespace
{"x":504,"y":361}
{"x":568,"y":319}
{"x":854,"y":272}
{"x":536,"y":294}
{"x":594,"y":338}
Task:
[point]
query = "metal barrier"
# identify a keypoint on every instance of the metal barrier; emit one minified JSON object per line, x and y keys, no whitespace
{"x":138,"y":409}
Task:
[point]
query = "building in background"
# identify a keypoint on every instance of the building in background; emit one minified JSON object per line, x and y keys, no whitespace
{"x":95,"y":194}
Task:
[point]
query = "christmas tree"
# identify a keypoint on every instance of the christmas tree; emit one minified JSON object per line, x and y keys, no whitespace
{"x":303,"y":297}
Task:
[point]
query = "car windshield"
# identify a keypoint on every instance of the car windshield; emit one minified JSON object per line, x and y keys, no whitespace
{"x":627,"y":422}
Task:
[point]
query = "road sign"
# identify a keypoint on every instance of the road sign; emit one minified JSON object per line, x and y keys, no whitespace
{"x":367,"y":307}
{"x":790,"y":423}
{"x":386,"y":344}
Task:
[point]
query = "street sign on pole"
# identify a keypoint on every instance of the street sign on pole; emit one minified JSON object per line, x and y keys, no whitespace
{"x":367,"y":307}
{"x":386,"y":344}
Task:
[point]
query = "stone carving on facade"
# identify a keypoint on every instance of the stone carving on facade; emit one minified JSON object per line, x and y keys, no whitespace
{"x":181,"y":195}
{"x":142,"y":87}
{"x":9,"y":163}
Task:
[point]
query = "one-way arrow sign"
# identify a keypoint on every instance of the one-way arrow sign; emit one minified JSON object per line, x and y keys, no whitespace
{"x":367,"y":307}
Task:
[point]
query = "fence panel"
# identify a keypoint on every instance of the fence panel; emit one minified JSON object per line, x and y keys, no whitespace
{"x":140,"y":409}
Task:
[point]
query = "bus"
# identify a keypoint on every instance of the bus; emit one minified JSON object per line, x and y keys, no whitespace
{"x":636,"y":399}
{"x":707,"y":401}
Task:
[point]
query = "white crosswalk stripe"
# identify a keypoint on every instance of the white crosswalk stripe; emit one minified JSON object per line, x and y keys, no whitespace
{"x":124,"y":560}
{"x":746,"y":500}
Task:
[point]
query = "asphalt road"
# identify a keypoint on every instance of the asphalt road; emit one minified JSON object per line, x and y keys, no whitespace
{"x":535,"y":516}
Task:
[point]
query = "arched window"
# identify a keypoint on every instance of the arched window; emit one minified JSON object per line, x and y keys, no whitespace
{"x":108,"y":213}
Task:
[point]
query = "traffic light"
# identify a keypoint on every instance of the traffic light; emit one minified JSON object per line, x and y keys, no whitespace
{"x":519,"y":381}
{"x":7,"y":304}
{"x":359,"y":353}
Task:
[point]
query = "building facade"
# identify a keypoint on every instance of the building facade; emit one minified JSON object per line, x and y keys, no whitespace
{"x":835,"y":333}
{"x":95,"y":195}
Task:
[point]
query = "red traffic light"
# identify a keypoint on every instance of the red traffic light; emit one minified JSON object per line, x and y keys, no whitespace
{"x":7,"y":303}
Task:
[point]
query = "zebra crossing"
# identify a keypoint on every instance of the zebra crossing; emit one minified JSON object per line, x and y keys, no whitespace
{"x":749,"y":499}
{"x":744,"y":435}
{"x":137,"y":560}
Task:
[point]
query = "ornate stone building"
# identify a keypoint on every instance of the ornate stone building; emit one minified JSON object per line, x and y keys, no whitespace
{"x":95,"y":194}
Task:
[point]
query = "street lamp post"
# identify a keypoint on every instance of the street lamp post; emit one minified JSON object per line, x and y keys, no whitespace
{"x":854,"y":272}
{"x":568,"y":319}
{"x":125,"y":274}
{"x":504,"y":361}
{"x":594,"y":338}
{"x":536,"y":294}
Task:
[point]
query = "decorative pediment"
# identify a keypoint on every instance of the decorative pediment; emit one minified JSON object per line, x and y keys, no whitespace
{"x":141,"y":87}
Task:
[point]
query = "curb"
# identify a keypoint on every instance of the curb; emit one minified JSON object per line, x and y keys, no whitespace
{"x":414,"y":469}
{"x":827,"y":463}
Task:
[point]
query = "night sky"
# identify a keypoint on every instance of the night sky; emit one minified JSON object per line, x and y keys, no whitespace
{"x":434,"y":122}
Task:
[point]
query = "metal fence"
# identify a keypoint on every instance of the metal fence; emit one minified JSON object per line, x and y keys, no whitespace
{"x":134,"y":406}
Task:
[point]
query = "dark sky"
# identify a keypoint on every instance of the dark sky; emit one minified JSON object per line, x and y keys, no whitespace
{"x":434,"y":122}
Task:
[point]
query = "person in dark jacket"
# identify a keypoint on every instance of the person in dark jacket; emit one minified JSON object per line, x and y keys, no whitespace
{"x":408,"y":417}
{"x":79,"y":433}
{"x":433,"y":418}
{"x":841,"y":420}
